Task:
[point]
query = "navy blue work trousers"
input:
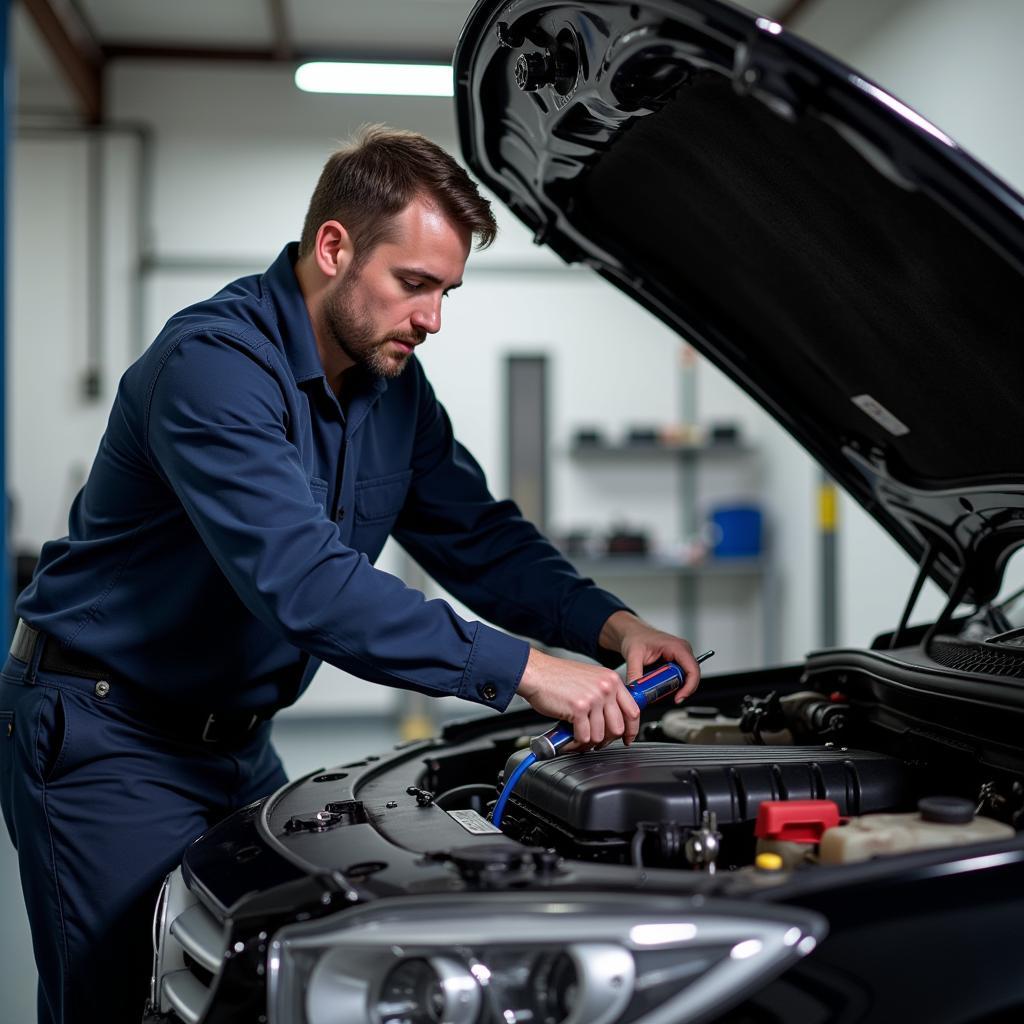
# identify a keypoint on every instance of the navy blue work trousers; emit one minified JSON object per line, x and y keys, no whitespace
{"x":100,"y":806}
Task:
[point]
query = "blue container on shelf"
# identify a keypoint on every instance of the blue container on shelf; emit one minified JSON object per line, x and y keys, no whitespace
{"x":736,"y":531}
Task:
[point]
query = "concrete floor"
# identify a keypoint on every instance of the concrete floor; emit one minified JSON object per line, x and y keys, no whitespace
{"x":304,"y":744}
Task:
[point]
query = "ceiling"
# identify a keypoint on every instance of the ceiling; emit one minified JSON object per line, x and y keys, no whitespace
{"x":75,"y":39}
{"x":423,"y":28}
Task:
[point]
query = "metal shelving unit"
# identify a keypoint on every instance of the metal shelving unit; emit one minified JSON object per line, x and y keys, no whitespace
{"x":687,"y":575}
{"x":655,"y":449}
{"x":641,"y":566}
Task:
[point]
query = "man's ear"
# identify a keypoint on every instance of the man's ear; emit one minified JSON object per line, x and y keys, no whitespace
{"x":333,"y":250}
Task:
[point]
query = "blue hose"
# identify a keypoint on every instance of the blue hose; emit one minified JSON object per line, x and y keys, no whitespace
{"x":646,"y":690}
{"x":499,"y":807}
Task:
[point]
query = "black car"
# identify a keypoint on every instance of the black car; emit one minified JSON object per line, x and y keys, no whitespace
{"x":829,"y":841}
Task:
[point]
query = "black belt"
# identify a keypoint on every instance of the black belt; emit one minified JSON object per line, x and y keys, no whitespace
{"x":215,"y":727}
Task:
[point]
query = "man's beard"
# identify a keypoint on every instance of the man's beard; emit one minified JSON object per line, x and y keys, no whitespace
{"x":350,"y":327}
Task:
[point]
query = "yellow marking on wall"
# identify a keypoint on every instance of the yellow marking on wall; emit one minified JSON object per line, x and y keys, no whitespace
{"x":828,"y":508}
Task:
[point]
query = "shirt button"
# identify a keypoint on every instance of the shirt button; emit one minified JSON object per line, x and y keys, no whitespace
{"x":489,"y":691}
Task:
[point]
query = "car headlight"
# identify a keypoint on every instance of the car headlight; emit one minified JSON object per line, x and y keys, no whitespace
{"x":505,"y":958}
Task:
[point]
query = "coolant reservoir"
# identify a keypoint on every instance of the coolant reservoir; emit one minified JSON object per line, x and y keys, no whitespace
{"x":706,"y":725}
{"x":939,"y":822}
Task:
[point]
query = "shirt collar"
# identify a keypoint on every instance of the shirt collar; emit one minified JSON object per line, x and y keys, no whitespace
{"x":296,"y":329}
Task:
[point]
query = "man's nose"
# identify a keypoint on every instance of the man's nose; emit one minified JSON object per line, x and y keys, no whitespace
{"x":428,"y":316}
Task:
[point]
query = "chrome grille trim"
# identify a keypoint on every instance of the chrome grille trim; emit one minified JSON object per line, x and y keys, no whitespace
{"x":187,"y":933}
{"x":185,"y":994}
{"x":200,"y":936}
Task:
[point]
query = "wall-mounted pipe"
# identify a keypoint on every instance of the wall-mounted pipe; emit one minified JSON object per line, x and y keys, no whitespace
{"x":43,"y":124}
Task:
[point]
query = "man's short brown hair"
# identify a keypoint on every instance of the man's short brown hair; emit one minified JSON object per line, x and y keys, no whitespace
{"x":368,"y":182}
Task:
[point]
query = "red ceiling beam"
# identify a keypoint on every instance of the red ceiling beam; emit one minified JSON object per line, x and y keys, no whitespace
{"x":74,"y":49}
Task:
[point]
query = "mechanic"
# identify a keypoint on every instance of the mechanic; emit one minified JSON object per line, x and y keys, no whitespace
{"x":256,"y":458}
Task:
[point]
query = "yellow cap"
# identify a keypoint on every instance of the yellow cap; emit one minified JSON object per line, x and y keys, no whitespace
{"x":768,"y":862}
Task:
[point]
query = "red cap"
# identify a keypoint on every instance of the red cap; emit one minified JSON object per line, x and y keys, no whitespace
{"x":795,"y":821}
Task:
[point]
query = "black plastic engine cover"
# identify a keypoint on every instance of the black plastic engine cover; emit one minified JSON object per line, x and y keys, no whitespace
{"x":609,"y":791}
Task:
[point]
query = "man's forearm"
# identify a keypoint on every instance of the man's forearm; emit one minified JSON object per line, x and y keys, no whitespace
{"x":616,"y":628}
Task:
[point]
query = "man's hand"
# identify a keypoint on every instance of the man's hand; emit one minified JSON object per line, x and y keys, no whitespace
{"x":593,"y":699}
{"x":642,"y":645}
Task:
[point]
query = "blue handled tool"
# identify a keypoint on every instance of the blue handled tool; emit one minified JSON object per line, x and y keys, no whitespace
{"x":645,"y":690}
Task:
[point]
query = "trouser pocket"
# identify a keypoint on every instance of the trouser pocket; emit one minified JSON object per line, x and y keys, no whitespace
{"x":53,"y":730}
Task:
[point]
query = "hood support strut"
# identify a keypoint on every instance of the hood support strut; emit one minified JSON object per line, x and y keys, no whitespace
{"x":956,"y":595}
{"x":924,"y":568}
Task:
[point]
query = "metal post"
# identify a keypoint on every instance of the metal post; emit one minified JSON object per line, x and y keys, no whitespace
{"x":687,"y":581}
{"x":828,"y":521}
{"x":5,"y":104}
{"x":526,"y":435}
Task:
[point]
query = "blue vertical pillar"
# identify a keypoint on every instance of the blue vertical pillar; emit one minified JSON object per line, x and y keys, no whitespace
{"x":5,"y":106}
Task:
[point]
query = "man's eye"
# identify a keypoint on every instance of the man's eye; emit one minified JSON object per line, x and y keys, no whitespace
{"x":412,"y":286}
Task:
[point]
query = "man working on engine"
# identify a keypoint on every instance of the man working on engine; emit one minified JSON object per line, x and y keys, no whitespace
{"x":256,"y":459}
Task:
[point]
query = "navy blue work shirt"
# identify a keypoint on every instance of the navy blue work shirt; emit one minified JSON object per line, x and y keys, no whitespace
{"x":223,"y":544}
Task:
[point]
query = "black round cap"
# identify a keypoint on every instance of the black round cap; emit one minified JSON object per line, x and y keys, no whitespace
{"x":946,"y":810}
{"x":531,"y":71}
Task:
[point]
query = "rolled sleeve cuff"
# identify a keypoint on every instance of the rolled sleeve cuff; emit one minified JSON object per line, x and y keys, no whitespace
{"x":496,"y":664}
{"x":585,"y":620}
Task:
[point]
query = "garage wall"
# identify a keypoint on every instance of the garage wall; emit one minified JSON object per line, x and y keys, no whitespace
{"x":235,"y":154}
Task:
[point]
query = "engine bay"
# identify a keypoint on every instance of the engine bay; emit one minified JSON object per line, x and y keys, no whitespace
{"x":823,"y":767}
{"x":641,"y":804}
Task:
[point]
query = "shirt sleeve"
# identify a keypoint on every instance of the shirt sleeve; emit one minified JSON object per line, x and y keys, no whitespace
{"x":217,"y":433}
{"x":485,"y":553}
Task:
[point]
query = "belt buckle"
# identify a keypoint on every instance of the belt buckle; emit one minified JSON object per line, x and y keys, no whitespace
{"x":210,"y":734}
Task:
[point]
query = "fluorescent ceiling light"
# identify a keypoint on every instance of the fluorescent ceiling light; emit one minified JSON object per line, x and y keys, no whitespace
{"x":375,"y":79}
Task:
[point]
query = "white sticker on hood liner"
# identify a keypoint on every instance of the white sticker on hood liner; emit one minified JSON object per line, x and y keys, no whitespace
{"x":880,"y":415}
{"x":475,"y":823}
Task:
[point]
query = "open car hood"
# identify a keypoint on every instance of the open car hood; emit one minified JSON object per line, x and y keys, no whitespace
{"x":840,"y":258}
